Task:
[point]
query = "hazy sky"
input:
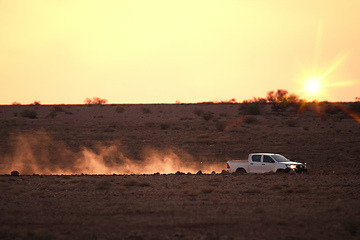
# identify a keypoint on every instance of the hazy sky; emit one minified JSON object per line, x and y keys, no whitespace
{"x":63,"y":51}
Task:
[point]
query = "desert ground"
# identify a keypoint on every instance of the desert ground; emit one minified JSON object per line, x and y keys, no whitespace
{"x":132,"y":172}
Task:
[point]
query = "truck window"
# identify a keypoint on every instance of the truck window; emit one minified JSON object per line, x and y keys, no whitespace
{"x":256,"y":158}
{"x":268,"y":159}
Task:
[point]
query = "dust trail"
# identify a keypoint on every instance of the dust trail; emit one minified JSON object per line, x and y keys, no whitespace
{"x":38,"y":153}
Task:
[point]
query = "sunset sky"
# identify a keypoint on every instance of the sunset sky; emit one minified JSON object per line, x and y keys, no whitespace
{"x":63,"y":51}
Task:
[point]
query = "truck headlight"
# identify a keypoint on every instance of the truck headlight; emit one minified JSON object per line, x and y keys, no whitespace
{"x":291,"y":166}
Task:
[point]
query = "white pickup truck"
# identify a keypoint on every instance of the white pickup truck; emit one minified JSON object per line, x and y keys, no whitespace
{"x":265,"y":162}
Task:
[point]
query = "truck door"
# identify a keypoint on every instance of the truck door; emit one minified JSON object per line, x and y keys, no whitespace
{"x":268,"y":164}
{"x":255,"y":164}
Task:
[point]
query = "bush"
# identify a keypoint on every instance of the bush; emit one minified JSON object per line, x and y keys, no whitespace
{"x":207,"y":116}
{"x":280,"y":100}
{"x":59,"y":108}
{"x":36,"y":103}
{"x":146,"y":110}
{"x":15,"y":173}
{"x":250,"y":108}
{"x":164,"y":126}
{"x":250,"y":119}
{"x":120,"y":109}
{"x":95,"y":101}
{"x":207,"y":190}
{"x":29,"y":113}
{"x":52,"y":114}
{"x":103,"y":184}
{"x":198,"y":112}
{"x":355,"y":106}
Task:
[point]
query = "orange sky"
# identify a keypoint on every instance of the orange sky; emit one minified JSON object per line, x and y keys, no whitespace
{"x":64,"y":51}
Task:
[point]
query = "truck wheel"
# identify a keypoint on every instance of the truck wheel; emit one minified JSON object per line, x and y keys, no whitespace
{"x":240,"y":171}
{"x":280,"y":171}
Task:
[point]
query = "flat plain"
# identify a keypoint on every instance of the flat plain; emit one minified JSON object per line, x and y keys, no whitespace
{"x":131,"y":172}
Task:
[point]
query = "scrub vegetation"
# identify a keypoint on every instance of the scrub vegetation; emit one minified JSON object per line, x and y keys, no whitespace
{"x":188,"y":201}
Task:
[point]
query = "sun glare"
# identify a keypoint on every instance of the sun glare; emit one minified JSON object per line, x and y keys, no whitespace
{"x":313,"y":86}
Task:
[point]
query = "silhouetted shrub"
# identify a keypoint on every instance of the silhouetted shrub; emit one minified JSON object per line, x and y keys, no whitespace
{"x":59,"y":108}
{"x":207,"y":116}
{"x":29,"y":113}
{"x":250,"y":119}
{"x":207,"y":190}
{"x":146,"y":110}
{"x":130,"y":183}
{"x":36,"y":103}
{"x":280,"y":100}
{"x":15,"y":173}
{"x":52,"y":114}
{"x":102,"y":184}
{"x":198,"y":112}
{"x":120,"y":109}
{"x":355,"y":106}
{"x":164,"y":126}
{"x":95,"y":101}
{"x":250,"y":108}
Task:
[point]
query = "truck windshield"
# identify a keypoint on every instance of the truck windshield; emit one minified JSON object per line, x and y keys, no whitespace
{"x":280,"y":158}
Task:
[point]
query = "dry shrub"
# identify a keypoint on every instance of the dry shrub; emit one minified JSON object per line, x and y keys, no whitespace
{"x":145,"y":110}
{"x":164,"y":126}
{"x":95,"y":101}
{"x":250,"y":120}
{"x":59,"y":108}
{"x":289,"y":190}
{"x":208,"y":116}
{"x":130,"y":183}
{"x":29,"y":114}
{"x":120,"y":109}
{"x":207,"y":190}
{"x":198,"y":112}
{"x":144,"y":184}
{"x":134,"y":183}
{"x":103,"y":184}
{"x":251,"y":108}
{"x":252,"y":190}
{"x":15,"y":173}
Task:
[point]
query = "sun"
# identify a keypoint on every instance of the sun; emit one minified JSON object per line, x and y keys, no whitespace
{"x":313,"y":86}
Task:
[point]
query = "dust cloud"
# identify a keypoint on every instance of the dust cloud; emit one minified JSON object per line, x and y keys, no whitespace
{"x":37,"y":153}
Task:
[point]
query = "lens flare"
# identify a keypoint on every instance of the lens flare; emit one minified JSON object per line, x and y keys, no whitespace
{"x":313,"y":85}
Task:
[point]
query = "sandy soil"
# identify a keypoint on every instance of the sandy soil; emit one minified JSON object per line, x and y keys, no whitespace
{"x":323,"y":204}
